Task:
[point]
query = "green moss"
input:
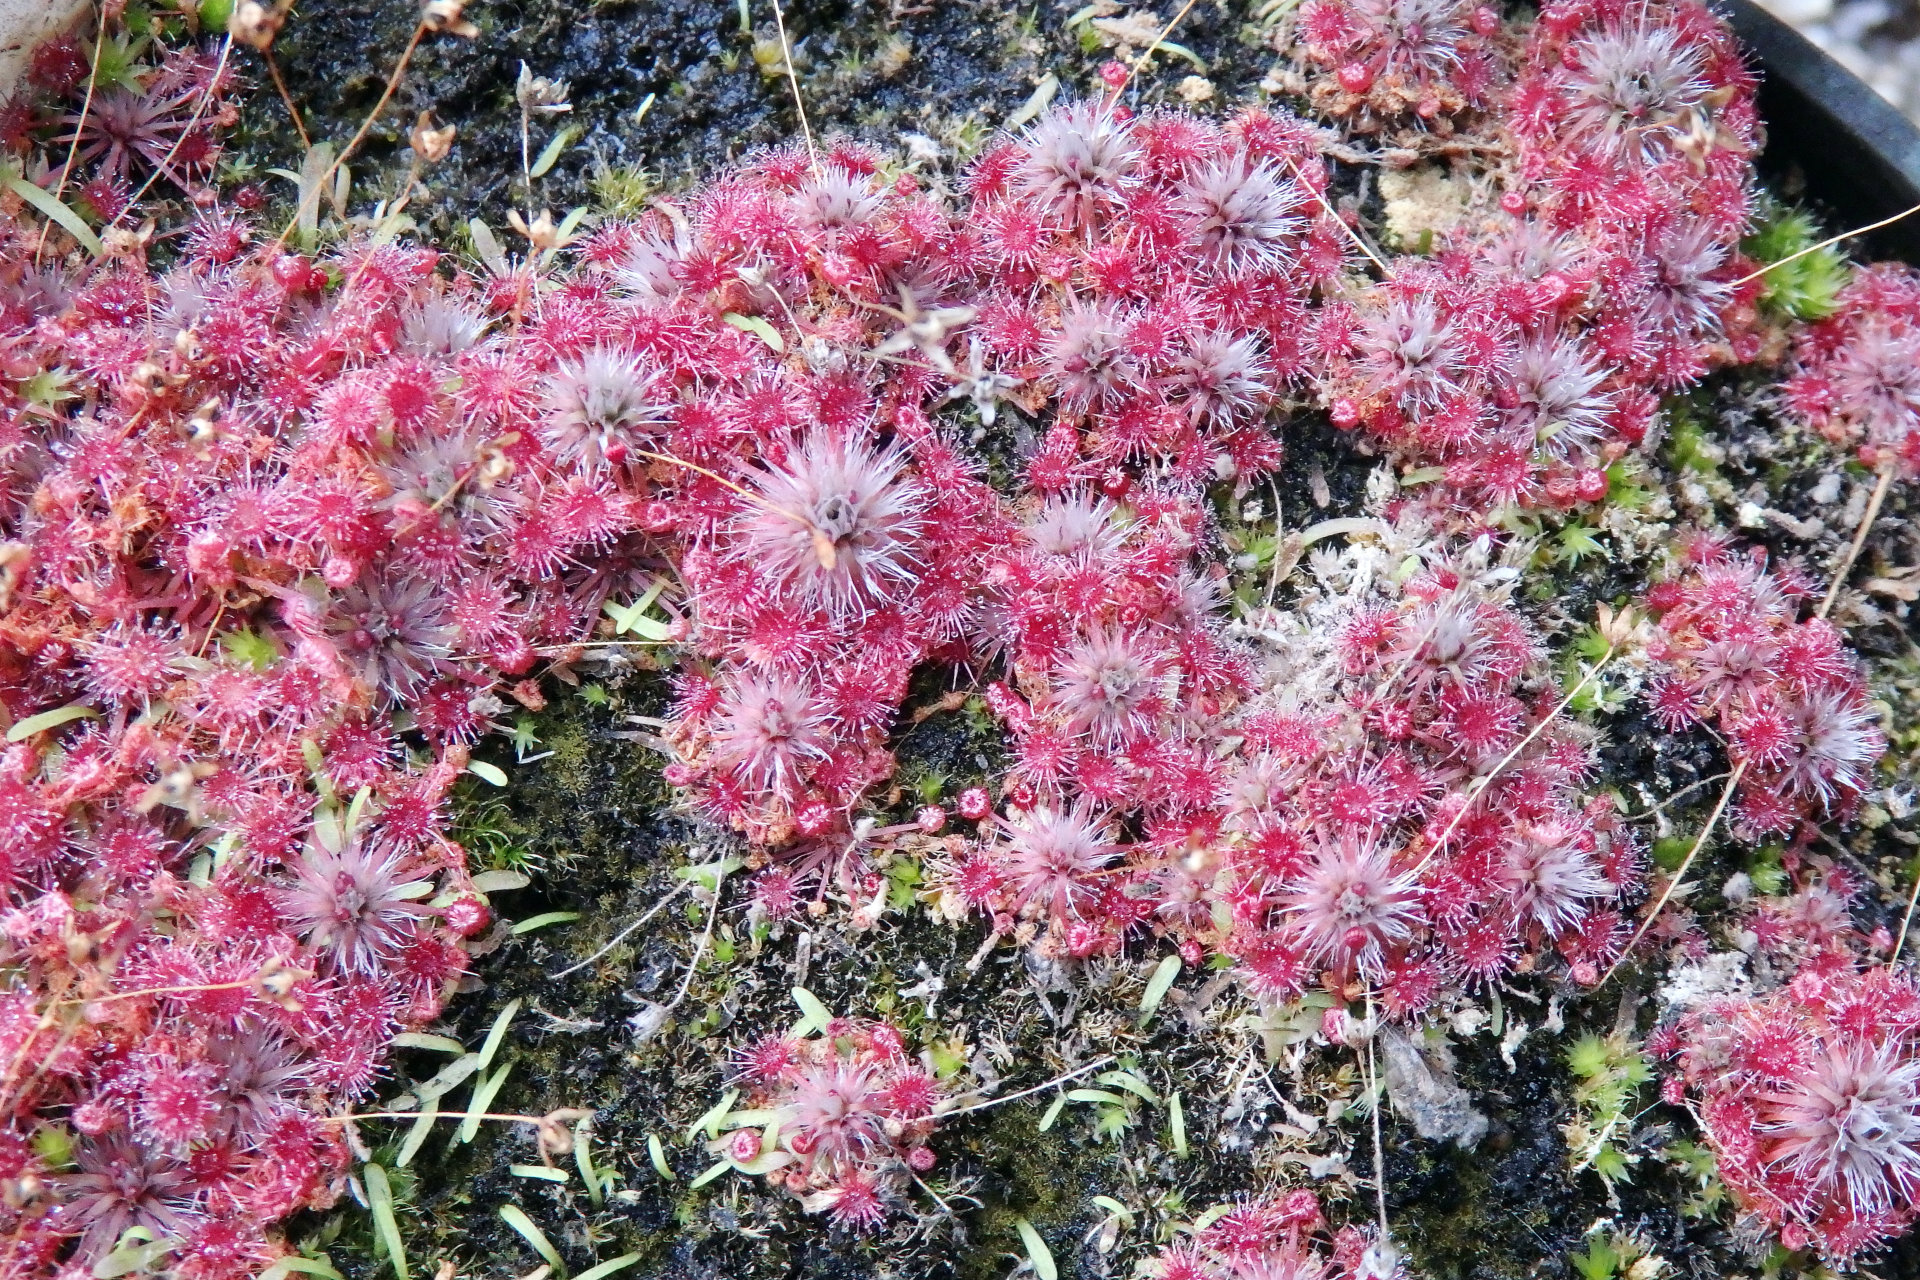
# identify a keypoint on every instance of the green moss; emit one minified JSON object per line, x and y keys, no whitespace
{"x":570,"y":748}
{"x":1610,"y":1071}
{"x":1041,"y":1174}
{"x":1446,"y":1243}
{"x":1689,"y":447}
{"x":1807,"y":283}
{"x":621,"y":190}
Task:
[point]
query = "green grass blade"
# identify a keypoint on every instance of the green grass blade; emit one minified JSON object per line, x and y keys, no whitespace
{"x":1037,"y":1252}
{"x":601,"y":1270}
{"x":514,"y":1216}
{"x":43,"y":200}
{"x":380,"y":1200}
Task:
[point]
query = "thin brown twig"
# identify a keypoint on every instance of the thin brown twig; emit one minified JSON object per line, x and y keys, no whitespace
{"x":748,"y":494}
{"x":793,"y":82}
{"x":81,"y":1001}
{"x":548,"y":650}
{"x":459,"y":481}
{"x":1828,"y":242}
{"x":386,"y":96}
{"x":1279,"y":539}
{"x":1662,"y":806}
{"x":1377,"y":1095}
{"x":1478,"y":787}
{"x":1906,"y":921}
{"x":938,"y":1198}
{"x":1353,"y":234}
{"x":73,"y":148}
{"x":437,"y":1115}
{"x":1058,"y":1080}
{"x":622,"y":936}
{"x":47,"y":1023}
{"x":10,"y":1096}
{"x":166,"y":161}
{"x":273,"y":69}
{"x":1713,"y":820}
{"x":1859,"y":537}
{"x":699,"y":953}
{"x":213,"y":629}
{"x":373,"y":116}
{"x":43,"y":1067}
{"x":1141,"y":61}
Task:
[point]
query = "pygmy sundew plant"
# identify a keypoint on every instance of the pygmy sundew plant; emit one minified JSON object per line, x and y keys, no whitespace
{"x":1854,"y":380}
{"x":1733,"y":649}
{"x":1810,"y":1097}
{"x":840,"y":1119}
{"x":1343,"y":840}
{"x":1283,"y":1237}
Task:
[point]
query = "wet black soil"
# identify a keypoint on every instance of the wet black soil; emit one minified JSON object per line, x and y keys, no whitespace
{"x":710,"y":75}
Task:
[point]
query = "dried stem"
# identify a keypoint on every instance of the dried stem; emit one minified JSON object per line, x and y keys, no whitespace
{"x":1713,"y":820}
{"x":1353,"y":234}
{"x":366,"y":126}
{"x":199,"y":109}
{"x":1664,"y":805}
{"x":273,"y":69}
{"x":1095,"y":1065}
{"x":699,"y":953}
{"x":437,"y":1115}
{"x":748,"y":494}
{"x":621,"y":936}
{"x":160,"y":991}
{"x":793,"y":82}
{"x":1141,"y":61}
{"x":1478,"y":787}
{"x":1906,"y":921}
{"x":386,"y":96}
{"x":1827,"y":243}
{"x":1859,"y":537}
{"x":73,"y":148}
{"x":1378,"y":1097}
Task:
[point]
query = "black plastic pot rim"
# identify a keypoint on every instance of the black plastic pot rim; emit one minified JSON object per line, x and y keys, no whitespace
{"x":1830,"y":138}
